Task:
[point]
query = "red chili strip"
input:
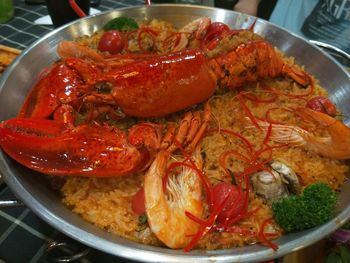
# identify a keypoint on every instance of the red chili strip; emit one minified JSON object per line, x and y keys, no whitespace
{"x":296,"y":96}
{"x":200,"y":233}
{"x":206,"y":225}
{"x":251,"y":28}
{"x":252,"y":97}
{"x":239,"y":217}
{"x":148,"y":31}
{"x":223,"y":157}
{"x":268,"y":148}
{"x":202,"y":177}
{"x":170,"y":39}
{"x":248,"y":112}
{"x":268,"y":134}
{"x":262,"y":235}
{"x":195,"y":219}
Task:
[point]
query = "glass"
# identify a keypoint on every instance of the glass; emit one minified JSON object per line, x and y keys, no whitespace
{"x":6,"y":10}
{"x":61,"y":12}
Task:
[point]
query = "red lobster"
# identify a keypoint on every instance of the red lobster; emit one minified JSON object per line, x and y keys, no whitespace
{"x":143,"y":85}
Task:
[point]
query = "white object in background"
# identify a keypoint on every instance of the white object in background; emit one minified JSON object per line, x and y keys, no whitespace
{"x":46,"y":20}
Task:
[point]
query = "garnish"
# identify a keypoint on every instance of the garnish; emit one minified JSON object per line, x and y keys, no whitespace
{"x":142,"y":219}
{"x":123,"y":24}
{"x":313,"y":207}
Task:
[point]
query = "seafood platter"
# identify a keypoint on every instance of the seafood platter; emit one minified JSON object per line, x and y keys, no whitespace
{"x":179,"y":133}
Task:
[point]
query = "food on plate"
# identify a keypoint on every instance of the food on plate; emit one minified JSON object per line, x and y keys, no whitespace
{"x":7,"y":55}
{"x":186,"y":138}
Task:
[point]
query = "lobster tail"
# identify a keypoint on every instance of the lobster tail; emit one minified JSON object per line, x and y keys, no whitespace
{"x":255,"y":60}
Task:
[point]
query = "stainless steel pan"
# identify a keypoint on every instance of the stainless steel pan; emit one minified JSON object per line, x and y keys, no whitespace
{"x":33,"y":190}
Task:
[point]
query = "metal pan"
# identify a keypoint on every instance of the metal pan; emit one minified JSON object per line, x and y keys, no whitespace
{"x":33,"y":190}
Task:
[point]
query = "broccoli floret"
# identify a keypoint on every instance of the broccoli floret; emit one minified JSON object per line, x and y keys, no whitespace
{"x":315,"y":206}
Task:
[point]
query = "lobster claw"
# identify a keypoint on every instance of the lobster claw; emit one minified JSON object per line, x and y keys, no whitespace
{"x":54,"y":148}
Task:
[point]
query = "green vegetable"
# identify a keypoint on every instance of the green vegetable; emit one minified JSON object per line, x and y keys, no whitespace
{"x":340,"y":254}
{"x":313,"y":207}
{"x":346,"y":226}
{"x":142,"y":219}
{"x":123,"y":24}
{"x":233,"y":178}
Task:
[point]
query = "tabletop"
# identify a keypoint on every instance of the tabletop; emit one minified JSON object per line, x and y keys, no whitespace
{"x":20,"y":229}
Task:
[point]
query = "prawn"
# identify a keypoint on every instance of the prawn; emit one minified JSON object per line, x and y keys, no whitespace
{"x":193,"y":33}
{"x":166,"y":211}
{"x":336,"y":145}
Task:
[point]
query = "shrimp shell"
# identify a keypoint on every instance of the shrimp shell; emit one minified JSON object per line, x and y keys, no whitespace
{"x":166,"y":212}
{"x":336,"y":145}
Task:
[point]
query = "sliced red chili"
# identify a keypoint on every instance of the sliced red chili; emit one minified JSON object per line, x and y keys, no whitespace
{"x":262,"y":235}
{"x":248,"y":112}
{"x":206,"y":225}
{"x":223,"y":157}
{"x":297,"y":96}
{"x":148,"y":31}
{"x":268,"y":134}
{"x":174,"y":39}
{"x":252,"y":97}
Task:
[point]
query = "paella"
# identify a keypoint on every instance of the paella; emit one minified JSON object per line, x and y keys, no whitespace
{"x":195,"y":137}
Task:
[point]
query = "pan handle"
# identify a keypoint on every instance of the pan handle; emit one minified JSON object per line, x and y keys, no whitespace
{"x":9,"y":202}
{"x":73,"y":252}
{"x":332,"y":48}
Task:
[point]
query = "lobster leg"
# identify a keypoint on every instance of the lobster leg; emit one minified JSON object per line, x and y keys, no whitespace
{"x":54,"y":148}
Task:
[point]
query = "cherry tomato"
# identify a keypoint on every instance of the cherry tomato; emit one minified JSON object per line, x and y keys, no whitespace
{"x":322,"y":104}
{"x":215,"y":30}
{"x":138,"y":202}
{"x":111,"y":41}
{"x":221,"y":190}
